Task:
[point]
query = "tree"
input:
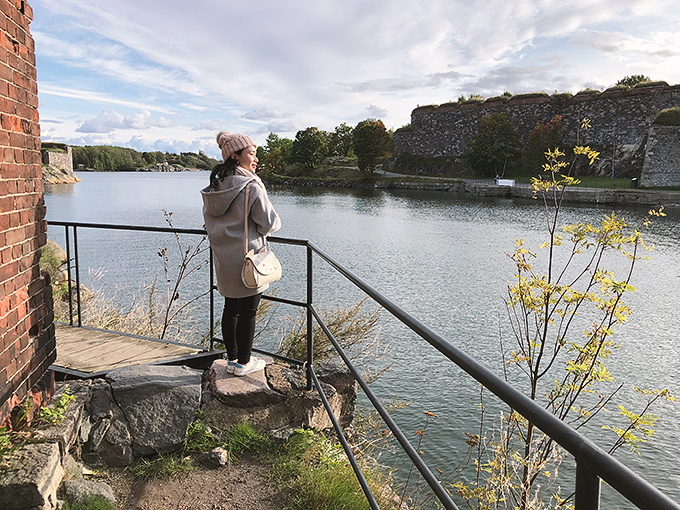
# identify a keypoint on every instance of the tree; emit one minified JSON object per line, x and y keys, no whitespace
{"x":543,"y":138}
{"x":309,"y":148}
{"x":563,"y":307}
{"x":632,"y":80}
{"x":283,"y":145}
{"x":340,"y":140}
{"x":495,"y":145}
{"x":370,"y":140}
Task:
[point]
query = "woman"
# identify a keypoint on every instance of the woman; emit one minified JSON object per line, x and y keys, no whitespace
{"x":223,"y":212}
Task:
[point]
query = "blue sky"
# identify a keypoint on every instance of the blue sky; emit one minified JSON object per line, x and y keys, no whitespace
{"x":169,"y":74}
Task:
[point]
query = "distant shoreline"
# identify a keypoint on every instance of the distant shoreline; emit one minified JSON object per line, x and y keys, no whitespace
{"x":605,"y":196}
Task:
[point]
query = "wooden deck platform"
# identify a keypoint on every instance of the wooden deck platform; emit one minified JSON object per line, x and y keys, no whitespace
{"x":88,"y":352}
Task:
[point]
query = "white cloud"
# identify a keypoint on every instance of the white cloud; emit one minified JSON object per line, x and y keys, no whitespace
{"x":110,"y":120}
{"x":265,"y":114}
{"x":210,"y":125}
{"x":661,"y":46}
{"x":89,"y":96}
{"x":376,"y":111}
{"x":278,"y":127}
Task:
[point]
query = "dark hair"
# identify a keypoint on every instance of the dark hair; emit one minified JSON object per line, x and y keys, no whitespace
{"x":221,"y":170}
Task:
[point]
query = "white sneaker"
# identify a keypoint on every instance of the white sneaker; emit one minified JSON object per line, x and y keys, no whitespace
{"x":231,"y":366}
{"x":253,"y":365}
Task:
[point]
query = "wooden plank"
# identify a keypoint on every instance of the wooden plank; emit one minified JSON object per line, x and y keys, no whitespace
{"x":92,"y":351}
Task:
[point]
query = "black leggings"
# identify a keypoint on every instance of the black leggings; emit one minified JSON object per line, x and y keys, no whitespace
{"x":238,"y":326}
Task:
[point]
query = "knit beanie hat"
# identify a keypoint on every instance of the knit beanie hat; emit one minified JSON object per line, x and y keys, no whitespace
{"x":232,"y":143}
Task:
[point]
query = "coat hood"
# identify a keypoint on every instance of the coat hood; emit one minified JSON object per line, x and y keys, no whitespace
{"x":216,"y":202}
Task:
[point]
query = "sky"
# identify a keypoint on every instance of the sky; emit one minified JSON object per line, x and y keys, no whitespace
{"x":170,"y":74}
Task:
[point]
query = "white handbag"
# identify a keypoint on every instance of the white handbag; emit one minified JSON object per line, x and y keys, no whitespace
{"x":258,"y":268}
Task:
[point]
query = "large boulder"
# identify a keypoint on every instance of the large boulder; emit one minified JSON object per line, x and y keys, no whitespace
{"x":294,"y":406}
{"x":249,"y":391}
{"x":31,"y":478}
{"x":158,"y":402}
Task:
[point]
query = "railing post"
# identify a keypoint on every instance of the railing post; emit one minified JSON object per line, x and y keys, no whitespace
{"x":212,"y":302}
{"x":68,"y":276}
{"x":75,"y":247}
{"x":587,"y":488}
{"x":310,"y":323}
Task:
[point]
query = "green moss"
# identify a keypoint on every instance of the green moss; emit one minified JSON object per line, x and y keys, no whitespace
{"x":530,"y":95}
{"x":668,"y":117}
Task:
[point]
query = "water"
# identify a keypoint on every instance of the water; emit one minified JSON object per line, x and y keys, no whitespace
{"x":440,"y":256}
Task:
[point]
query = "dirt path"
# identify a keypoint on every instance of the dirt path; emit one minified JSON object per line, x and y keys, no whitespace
{"x":237,"y":487}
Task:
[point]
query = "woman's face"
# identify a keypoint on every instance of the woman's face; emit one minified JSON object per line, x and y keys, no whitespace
{"x":247,"y":159}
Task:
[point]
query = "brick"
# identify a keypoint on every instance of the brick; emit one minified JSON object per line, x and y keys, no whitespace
{"x":6,"y":203}
{"x":18,"y":139}
{"x":6,"y":72}
{"x":14,"y":236}
{"x":28,"y":12}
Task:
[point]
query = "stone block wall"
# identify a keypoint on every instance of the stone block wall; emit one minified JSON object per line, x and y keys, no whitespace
{"x":662,"y":157}
{"x":60,"y":160}
{"x":619,"y":118}
{"x":27,"y":343}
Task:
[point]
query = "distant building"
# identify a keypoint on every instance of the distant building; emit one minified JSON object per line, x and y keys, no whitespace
{"x":58,"y":156}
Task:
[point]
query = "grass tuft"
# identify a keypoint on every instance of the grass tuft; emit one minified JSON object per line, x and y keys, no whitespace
{"x":317,"y":474}
{"x":94,"y":502}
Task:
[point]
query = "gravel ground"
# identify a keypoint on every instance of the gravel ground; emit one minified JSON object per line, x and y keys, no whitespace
{"x":240,"y":486}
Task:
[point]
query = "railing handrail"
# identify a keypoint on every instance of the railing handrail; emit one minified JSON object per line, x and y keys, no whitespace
{"x":589,"y":457}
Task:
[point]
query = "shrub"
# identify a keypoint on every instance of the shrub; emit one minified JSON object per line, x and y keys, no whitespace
{"x":668,"y":117}
{"x":632,"y":80}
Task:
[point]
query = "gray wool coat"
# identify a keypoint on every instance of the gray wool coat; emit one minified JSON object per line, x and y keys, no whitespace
{"x":223,"y":211}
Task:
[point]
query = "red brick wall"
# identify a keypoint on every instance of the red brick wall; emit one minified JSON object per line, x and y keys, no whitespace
{"x":27,"y":345}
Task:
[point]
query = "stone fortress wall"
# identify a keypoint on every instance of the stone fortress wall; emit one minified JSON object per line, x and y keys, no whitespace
{"x":620,"y":120}
{"x":60,"y":160}
{"x":662,"y":158}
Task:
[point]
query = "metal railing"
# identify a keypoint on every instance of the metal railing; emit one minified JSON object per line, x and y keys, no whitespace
{"x":592,"y":463}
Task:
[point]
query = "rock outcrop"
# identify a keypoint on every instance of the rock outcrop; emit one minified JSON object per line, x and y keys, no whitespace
{"x":277,"y":399}
{"x":54,"y":175}
{"x":144,"y":410}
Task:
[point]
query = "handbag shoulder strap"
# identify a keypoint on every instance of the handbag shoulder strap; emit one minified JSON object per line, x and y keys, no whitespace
{"x":245,"y":222}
